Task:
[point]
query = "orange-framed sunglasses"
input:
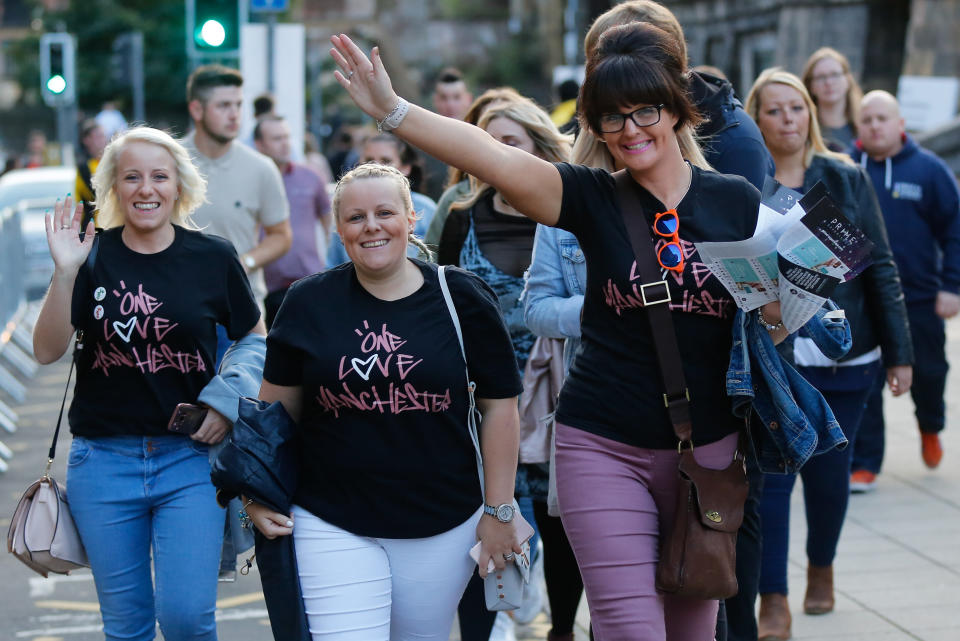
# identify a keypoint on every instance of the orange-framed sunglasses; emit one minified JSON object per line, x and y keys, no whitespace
{"x":667,"y":225}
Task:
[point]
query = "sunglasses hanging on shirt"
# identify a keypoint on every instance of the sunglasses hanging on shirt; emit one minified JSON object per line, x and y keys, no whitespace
{"x":667,"y":225}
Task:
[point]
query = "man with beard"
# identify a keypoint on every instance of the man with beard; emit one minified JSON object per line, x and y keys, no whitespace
{"x":244,"y":189}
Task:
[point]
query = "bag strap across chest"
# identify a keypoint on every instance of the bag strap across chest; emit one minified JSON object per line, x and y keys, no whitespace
{"x":655,"y":293}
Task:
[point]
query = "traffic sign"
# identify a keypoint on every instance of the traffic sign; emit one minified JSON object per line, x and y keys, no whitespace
{"x":267,"y":6}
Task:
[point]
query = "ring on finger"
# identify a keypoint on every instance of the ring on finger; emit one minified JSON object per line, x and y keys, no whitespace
{"x":64,"y":226}
{"x":508,"y":556}
{"x":350,"y":75}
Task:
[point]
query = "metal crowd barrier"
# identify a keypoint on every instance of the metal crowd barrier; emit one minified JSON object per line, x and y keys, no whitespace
{"x":16,"y":324}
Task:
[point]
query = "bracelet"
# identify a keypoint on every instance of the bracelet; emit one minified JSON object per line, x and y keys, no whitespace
{"x":393,"y":119}
{"x":767,"y":326}
{"x":243,"y":516}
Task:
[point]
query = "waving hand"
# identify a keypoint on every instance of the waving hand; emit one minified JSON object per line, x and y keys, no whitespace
{"x":63,"y":236}
{"x":365,"y":79}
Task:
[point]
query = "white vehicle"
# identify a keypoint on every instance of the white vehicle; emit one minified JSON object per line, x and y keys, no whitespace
{"x":31,"y":192}
{"x":42,"y":182}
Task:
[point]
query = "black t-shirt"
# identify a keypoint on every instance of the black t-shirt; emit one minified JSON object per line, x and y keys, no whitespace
{"x":615,"y":388}
{"x":505,"y":239}
{"x":149,"y":322}
{"x":385,"y":446}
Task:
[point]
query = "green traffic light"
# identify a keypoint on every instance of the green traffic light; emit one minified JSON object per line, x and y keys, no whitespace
{"x":212,"y":33}
{"x":56,"y":84}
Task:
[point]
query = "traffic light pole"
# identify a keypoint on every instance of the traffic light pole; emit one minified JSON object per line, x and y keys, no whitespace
{"x":57,"y":87}
{"x":271,"y":30}
{"x":67,"y":132}
{"x":136,"y":76}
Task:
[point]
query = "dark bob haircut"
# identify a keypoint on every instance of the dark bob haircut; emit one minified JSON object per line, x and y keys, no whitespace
{"x":636,"y":64}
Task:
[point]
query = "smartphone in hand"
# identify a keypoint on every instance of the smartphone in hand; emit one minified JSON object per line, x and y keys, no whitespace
{"x":187,"y":418}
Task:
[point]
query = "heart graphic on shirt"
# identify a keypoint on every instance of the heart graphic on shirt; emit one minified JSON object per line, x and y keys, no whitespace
{"x":358,"y":364}
{"x":125,"y":329}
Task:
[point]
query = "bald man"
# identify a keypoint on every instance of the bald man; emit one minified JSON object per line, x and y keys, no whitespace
{"x":921,"y":206}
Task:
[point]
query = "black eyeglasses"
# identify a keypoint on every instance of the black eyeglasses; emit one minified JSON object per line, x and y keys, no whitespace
{"x":642,"y":117}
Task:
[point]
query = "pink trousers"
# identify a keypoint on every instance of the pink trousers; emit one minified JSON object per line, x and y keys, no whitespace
{"x":613,"y":498}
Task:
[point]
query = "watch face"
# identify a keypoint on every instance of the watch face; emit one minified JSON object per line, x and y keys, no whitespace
{"x":505,"y":513}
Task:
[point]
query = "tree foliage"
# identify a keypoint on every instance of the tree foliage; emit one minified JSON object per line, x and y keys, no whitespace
{"x":95,"y":24}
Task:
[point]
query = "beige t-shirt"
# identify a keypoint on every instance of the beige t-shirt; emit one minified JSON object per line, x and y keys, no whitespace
{"x":244,"y":193}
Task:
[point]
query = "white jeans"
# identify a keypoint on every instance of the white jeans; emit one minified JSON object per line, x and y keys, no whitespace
{"x":358,"y":588}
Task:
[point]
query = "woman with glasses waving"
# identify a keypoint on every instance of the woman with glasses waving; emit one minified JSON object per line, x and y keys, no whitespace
{"x":616,"y":449}
{"x":835,"y":92}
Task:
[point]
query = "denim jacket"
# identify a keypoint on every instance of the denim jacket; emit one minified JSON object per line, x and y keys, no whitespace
{"x":799,"y":423}
{"x":241,"y":373}
{"x":553,"y":294}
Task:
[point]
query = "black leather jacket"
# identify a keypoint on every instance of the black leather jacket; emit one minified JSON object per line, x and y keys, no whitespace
{"x":259,"y":461}
{"x":873,"y":301}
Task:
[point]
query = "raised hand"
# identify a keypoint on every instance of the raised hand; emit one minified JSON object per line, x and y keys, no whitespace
{"x":365,"y":79}
{"x":63,"y":236}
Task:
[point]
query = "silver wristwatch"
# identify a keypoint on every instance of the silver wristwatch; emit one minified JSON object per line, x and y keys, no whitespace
{"x":503,"y":512}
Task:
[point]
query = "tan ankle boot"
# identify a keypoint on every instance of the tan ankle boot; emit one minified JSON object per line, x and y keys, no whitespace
{"x":819,"y":597}
{"x":773,"y":624}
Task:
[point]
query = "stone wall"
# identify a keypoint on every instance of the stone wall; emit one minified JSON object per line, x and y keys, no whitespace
{"x":945,"y":142}
{"x":744,"y":36}
{"x":933,"y":48}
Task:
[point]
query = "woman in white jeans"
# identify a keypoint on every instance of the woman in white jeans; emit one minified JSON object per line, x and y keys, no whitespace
{"x":365,"y":357}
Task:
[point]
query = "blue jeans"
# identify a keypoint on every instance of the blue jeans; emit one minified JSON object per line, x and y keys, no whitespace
{"x":131,"y":496}
{"x":826,"y":480}
{"x":871,"y":442}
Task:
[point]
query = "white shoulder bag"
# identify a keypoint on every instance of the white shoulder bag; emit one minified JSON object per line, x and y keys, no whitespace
{"x":504,"y":589}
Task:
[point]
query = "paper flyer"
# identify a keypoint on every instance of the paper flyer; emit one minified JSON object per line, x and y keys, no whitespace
{"x":803,"y":247}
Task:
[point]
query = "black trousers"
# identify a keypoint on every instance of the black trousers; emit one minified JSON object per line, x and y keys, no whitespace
{"x":741,"y":618}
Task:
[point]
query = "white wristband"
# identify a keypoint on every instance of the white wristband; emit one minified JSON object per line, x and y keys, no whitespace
{"x":393,"y":119}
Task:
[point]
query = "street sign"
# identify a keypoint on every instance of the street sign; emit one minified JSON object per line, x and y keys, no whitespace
{"x":266,"y":6}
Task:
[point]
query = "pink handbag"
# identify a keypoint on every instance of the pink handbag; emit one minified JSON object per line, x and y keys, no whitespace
{"x":42,"y":533}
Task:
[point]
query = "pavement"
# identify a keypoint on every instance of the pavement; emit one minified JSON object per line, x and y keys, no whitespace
{"x":897,"y":569}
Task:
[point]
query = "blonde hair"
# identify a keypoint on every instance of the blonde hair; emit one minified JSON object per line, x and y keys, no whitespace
{"x":484,"y":100}
{"x":191,"y":186}
{"x":548,"y":142}
{"x":376,"y":170}
{"x":814,"y":145}
{"x":588,"y":149}
{"x":854,"y":94}
{"x":636,"y":11}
